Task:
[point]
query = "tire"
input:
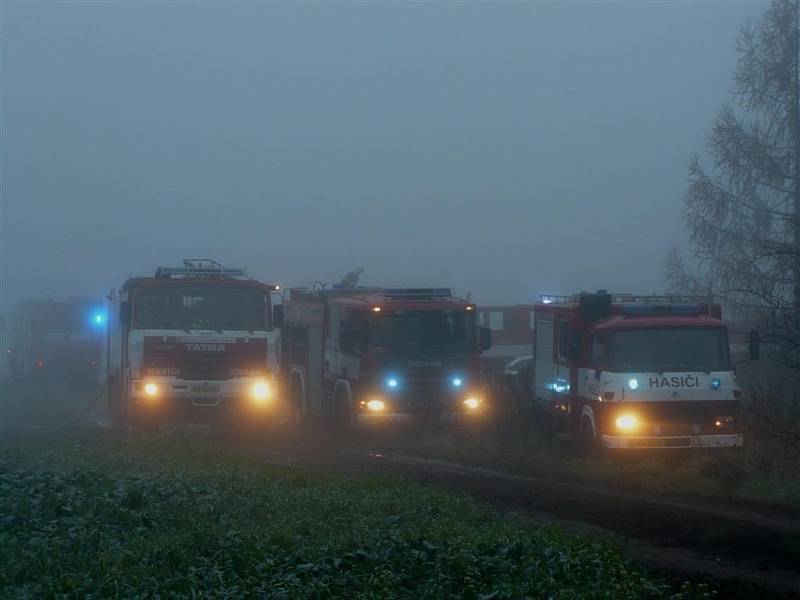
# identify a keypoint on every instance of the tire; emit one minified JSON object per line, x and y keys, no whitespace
{"x":343,"y":415}
{"x":587,"y":442}
{"x":296,"y":416}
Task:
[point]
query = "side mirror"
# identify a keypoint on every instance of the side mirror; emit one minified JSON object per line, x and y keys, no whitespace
{"x":484,"y":338}
{"x":754,"y":345}
{"x":277,"y":316}
{"x":125,"y":314}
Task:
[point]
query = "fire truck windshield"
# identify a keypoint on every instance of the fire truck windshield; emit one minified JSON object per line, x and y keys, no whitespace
{"x":198,"y":306}
{"x":668,"y":349}
{"x":419,"y":332}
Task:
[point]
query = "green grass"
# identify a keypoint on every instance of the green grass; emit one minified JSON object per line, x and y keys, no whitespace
{"x":182,"y":519}
{"x":715,"y":476}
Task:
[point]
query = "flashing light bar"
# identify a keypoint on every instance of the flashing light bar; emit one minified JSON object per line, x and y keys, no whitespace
{"x":629,"y":299}
{"x":662,"y":309}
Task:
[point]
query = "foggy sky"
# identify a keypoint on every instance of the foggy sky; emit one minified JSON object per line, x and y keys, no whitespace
{"x":507,"y":150}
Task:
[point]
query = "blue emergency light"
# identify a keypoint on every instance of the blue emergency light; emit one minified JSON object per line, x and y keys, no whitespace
{"x":98,"y":319}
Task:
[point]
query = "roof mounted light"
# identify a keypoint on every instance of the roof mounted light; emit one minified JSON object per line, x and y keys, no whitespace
{"x":376,"y":309}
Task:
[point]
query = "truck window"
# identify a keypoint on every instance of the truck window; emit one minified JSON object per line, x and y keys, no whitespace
{"x":668,"y":349}
{"x":496,"y":320}
{"x":353,"y":331}
{"x":599,"y":351}
{"x":297,"y":345}
{"x":563,"y":339}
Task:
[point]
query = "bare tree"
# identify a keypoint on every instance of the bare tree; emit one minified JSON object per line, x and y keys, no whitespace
{"x":743,"y":210}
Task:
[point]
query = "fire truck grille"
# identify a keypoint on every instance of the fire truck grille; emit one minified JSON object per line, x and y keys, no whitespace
{"x":225,"y":361}
{"x":206,"y":369}
{"x":678,"y":419}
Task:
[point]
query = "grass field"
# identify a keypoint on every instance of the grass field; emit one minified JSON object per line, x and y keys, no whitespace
{"x":181,"y":518}
{"x":721,"y":475}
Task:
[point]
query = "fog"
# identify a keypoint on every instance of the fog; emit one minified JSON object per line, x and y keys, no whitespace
{"x":504,"y":150}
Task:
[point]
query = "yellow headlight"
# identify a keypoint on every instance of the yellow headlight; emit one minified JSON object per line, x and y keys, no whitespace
{"x":260,"y":391}
{"x":376,"y":405}
{"x":472,"y":403}
{"x":627,"y":422}
{"x":151,"y":389}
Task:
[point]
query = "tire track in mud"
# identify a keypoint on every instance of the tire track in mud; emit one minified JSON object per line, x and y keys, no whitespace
{"x":744,"y":553}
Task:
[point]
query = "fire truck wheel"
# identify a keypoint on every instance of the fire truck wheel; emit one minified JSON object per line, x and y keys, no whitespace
{"x":295,"y":403}
{"x":343,"y":412}
{"x":586,"y":440}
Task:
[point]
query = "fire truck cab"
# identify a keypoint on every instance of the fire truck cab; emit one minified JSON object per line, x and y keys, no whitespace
{"x":57,"y":339}
{"x":630,"y":372}
{"x":192,"y":344}
{"x":381,"y":351}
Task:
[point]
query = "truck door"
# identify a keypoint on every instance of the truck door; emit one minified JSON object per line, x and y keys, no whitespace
{"x":314,"y":389}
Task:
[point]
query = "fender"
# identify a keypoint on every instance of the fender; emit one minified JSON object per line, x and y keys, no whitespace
{"x":587,"y":412}
{"x":301,"y":374}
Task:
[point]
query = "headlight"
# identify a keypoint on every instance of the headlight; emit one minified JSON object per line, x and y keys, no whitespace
{"x":633,"y":384}
{"x":376,"y":405}
{"x":627,"y":422}
{"x":723,"y":422}
{"x":457,"y":381}
{"x":150,"y":389}
{"x":260,"y":391}
{"x":392,"y":382}
{"x":472,"y":403}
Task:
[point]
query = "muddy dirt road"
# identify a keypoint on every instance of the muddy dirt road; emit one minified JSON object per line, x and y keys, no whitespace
{"x":746,"y":553}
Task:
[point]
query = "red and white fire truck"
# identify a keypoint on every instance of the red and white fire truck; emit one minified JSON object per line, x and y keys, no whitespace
{"x":192,"y":344}
{"x":624,"y":371}
{"x":57,"y":339}
{"x":374,"y":351}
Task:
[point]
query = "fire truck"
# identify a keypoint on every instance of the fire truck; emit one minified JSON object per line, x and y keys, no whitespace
{"x":192,"y":344}
{"x":624,"y":371}
{"x":57,"y":339}
{"x":350,"y":353}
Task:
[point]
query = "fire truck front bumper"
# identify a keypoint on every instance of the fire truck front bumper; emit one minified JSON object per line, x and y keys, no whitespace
{"x":732,"y":440}
{"x":202,"y":400}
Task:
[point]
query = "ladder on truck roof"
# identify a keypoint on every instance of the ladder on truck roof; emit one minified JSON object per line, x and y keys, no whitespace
{"x":200,"y":268}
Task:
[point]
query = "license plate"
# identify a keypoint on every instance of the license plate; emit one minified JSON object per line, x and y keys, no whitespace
{"x":201,"y":401}
{"x":205,"y":389}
